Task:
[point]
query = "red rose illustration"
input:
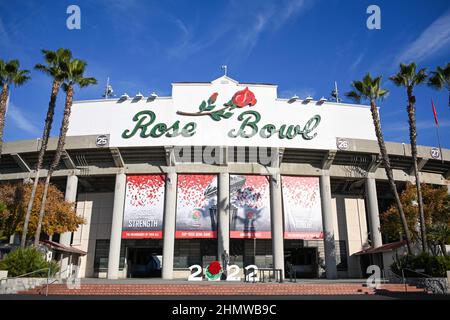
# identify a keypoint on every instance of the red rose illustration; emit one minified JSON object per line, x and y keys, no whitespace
{"x":214,"y":267}
{"x":244,"y":98}
{"x":213,"y":98}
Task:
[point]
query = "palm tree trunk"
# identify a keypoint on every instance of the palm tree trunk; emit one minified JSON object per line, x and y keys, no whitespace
{"x":59,"y":150}
{"x":3,"y":101}
{"x":413,"y":141}
{"x":45,"y":136}
{"x":388,"y":169}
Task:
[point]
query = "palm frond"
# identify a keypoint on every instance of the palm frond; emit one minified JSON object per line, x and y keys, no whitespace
{"x":420,"y":77}
{"x":398,"y":80}
{"x":436,"y":80}
{"x":367,"y":89}
{"x":21,"y":77}
{"x":11,"y":73}
{"x":354,"y":96}
{"x":440,"y":78}
{"x":75,"y":74}
{"x":408,"y":77}
{"x":84,"y":82}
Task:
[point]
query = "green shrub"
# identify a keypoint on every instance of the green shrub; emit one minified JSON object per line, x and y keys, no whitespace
{"x":24,"y":260}
{"x":435,"y":266}
{"x":441,"y":265}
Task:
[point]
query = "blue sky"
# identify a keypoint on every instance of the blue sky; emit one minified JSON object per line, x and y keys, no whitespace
{"x":303,"y":46}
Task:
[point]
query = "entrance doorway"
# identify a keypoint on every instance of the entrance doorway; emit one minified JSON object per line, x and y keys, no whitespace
{"x":304,"y":262}
{"x":144,"y":262}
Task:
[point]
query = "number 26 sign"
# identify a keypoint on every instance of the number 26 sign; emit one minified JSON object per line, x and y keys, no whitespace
{"x":214,"y":271}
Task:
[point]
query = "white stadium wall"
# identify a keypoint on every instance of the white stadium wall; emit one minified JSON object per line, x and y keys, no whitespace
{"x":326,"y":158}
{"x":96,"y":209}
{"x":114,"y":117}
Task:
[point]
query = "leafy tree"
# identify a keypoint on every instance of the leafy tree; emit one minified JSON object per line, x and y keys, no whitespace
{"x":11,"y":196}
{"x":60,"y":215}
{"x":2,"y":232}
{"x":436,"y":212}
{"x":408,"y":77}
{"x":10,"y":74}
{"x":74,"y":71}
{"x":369,"y":89}
{"x":439,"y":234}
{"x":54,"y":67}
{"x":435,"y":266}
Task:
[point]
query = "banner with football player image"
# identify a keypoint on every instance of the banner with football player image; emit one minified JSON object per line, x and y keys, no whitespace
{"x":302,"y":208}
{"x":196,"y":206}
{"x":144,"y":207}
{"x":249,"y":207}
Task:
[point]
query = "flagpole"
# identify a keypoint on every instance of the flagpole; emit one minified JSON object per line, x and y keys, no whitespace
{"x":436,"y":121}
{"x":439,"y":143}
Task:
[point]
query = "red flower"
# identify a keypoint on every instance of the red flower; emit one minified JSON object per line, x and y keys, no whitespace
{"x":214,"y":267}
{"x":213,"y":98}
{"x":244,"y":98}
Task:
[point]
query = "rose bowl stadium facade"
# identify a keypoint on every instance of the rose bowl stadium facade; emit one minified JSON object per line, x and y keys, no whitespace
{"x":223,"y":170}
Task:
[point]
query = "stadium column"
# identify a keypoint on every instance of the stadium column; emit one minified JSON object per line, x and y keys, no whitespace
{"x":64,"y":239}
{"x":223,"y":230}
{"x":170,"y":208}
{"x":374,"y":216}
{"x":276,"y":219}
{"x":116,"y":226}
{"x":328,"y":229}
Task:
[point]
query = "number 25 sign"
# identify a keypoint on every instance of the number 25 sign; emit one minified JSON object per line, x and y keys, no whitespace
{"x":214,"y":271}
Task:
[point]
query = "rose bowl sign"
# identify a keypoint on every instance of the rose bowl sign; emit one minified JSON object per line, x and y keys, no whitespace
{"x":223,"y":113}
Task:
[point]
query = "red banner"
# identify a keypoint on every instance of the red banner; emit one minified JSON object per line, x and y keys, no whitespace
{"x":250,"y":234}
{"x":141,"y":234}
{"x":304,"y":235}
{"x":144,"y":207}
{"x":302,"y":208}
{"x":195,"y":234}
{"x":249,"y":207}
{"x":196,"y":206}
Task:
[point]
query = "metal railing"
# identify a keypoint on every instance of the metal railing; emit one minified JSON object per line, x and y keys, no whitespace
{"x":442,"y":288}
{"x":266,"y":273}
{"x":30,"y":273}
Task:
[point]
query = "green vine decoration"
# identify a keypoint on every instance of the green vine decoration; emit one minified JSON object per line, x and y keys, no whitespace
{"x":208,"y":107}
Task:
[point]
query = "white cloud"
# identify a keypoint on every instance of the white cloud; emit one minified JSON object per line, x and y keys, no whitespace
{"x":4,"y":36}
{"x":420,"y":125}
{"x":356,"y":62}
{"x":268,"y":16}
{"x":431,"y":40}
{"x":20,"y":120}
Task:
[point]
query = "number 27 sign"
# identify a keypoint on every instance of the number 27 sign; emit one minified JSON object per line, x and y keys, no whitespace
{"x":214,"y":271}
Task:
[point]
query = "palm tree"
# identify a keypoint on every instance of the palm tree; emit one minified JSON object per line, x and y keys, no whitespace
{"x":10,"y":74}
{"x":440,"y":79}
{"x":408,"y":77}
{"x":369,"y":89}
{"x":74,"y":73}
{"x":55,"y":69}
